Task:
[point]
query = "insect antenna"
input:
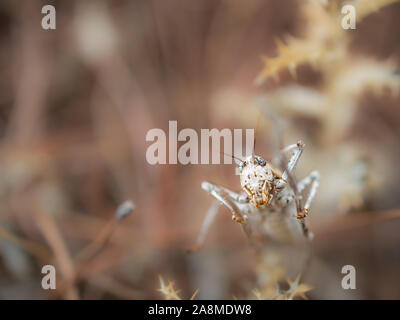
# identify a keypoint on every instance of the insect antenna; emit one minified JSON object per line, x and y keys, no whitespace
{"x":232,"y":156}
{"x":255,"y":136}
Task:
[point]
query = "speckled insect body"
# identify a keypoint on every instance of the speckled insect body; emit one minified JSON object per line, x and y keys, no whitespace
{"x":270,"y":202}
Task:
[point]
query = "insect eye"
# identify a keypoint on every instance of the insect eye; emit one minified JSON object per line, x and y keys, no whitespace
{"x":261,"y":162}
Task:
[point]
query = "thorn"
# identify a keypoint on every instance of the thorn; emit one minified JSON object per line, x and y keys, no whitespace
{"x":194,"y":294}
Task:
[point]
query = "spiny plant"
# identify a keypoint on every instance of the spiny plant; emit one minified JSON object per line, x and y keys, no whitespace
{"x":345,"y":77}
{"x":169,"y":292}
{"x":324,"y":42}
{"x":296,"y":289}
{"x":325,"y":45}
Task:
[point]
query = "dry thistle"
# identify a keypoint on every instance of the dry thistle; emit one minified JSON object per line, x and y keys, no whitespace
{"x":170,"y":293}
{"x":334,"y":105}
{"x":296,"y":289}
{"x":324,"y":47}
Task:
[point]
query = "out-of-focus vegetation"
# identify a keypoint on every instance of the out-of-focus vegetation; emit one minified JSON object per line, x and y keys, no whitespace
{"x":76,"y":104}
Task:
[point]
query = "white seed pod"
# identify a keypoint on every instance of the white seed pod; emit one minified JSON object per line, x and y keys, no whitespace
{"x":124,"y":210}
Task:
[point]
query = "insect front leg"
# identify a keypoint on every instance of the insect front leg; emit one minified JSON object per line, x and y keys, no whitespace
{"x":267,"y":192}
{"x":205,"y":227}
{"x":298,"y":150}
{"x":250,"y":196}
{"x":313,"y":180}
{"x":240,"y":198}
{"x":228,"y":198}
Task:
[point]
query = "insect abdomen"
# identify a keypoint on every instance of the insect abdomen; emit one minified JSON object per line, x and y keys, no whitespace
{"x":281,"y":226}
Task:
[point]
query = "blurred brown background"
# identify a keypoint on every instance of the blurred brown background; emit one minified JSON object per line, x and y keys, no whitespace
{"x":76,"y":104}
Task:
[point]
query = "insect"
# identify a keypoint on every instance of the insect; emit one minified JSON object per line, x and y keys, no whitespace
{"x":270,"y":202}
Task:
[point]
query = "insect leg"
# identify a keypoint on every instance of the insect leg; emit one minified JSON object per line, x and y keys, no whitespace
{"x":241,"y":198}
{"x":267,"y":192}
{"x":250,"y":196}
{"x":207,"y":222}
{"x":298,"y":149}
{"x":313,"y":180}
{"x":289,"y":148}
{"x":227,"y":198}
